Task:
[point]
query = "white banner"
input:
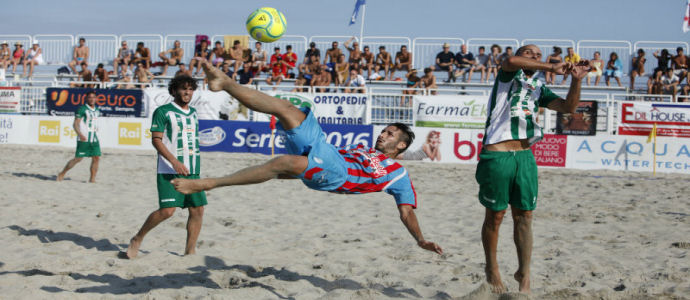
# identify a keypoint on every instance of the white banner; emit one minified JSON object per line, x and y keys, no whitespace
{"x":9,"y":99}
{"x":442,"y":145}
{"x":328,"y":108}
{"x":637,"y":118}
{"x":209,"y":105}
{"x":451,"y":111}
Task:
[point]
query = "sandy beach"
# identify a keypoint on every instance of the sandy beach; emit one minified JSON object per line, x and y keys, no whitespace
{"x":597,"y":235}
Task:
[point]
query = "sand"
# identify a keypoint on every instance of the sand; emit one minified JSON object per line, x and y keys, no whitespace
{"x":598,"y":235}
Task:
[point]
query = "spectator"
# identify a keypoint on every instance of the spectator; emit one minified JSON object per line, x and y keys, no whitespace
{"x":183,"y":71}
{"x":101,"y":74}
{"x":235,"y":56}
{"x":125,"y":81}
{"x":413,"y":82}
{"x":445,"y":61}
{"x":573,"y":58}
{"x":34,"y":56}
{"x":597,"y":65}
{"x":142,"y":74}
{"x":355,"y":82}
{"x":311,"y":51}
{"x":218,"y":55}
{"x":142,"y":54}
{"x":322,"y":80}
{"x":310,"y":69}
{"x":554,"y":58}
{"x":368,"y":61}
{"x":341,"y":70}
{"x":505,"y":55}
{"x":355,"y":59}
{"x":686,"y":89}
{"x":429,"y":81}
{"x":79,"y":55}
{"x":403,"y":61}
{"x":260,"y":58}
{"x":332,"y":54}
{"x":246,"y":74}
{"x":124,"y":57}
{"x":85,"y":76}
{"x":668,"y":84}
{"x":680,"y":64}
{"x":637,"y":67}
{"x":17,"y":56}
{"x":200,"y":55}
{"x":5,"y":55}
{"x":663,"y":60}
{"x":383,"y":60}
{"x":465,"y":63}
{"x":614,"y":68}
{"x":176,"y":53}
{"x":278,"y":69}
{"x":290,"y":58}
{"x":494,"y":60}
{"x":481,"y":64}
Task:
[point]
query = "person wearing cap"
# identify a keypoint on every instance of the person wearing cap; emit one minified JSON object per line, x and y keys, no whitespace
{"x":17,"y":56}
{"x":311,"y":51}
{"x":34,"y":56}
{"x":5,"y":55}
{"x":445,"y":60}
{"x":79,"y":55}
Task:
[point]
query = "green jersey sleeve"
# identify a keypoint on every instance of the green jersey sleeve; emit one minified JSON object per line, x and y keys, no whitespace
{"x":158,"y":120}
{"x":81,"y":112}
{"x":546,"y":96}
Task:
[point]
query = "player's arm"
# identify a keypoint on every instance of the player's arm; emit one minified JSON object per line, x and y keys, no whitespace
{"x":515,"y":63}
{"x":157,"y":141}
{"x":409,"y":219}
{"x":75,"y":125}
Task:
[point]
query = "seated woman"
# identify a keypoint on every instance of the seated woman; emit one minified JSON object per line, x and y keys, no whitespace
{"x":614,"y":68}
{"x":637,"y":67}
{"x":597,"y":68}
{"x":554,"y":58}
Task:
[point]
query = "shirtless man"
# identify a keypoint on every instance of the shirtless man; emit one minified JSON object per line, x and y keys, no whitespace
{"x":143,"y":74}
{"x":176,"y":53}
{"x":142,"y":54}
{"x":383,"y":60}
{"x":368,"y":61}
{"x":310,"y":69}
{"x":403,"y":60}
{"x":101,"y":74}
{"x":85,"y":75}
{"x":235,"y":54}
{"x":355,"y":54}
{"x":79,"y":55}
{"x":429,"y":81}
{"x":321,"y":80}
{"x":332,"y":54}
{"x":679,"y":63}
{"x":218,"y":55}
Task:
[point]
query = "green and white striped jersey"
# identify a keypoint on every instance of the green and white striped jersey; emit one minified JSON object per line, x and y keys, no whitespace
{"x":180,"y":136}
{"x":514,"y":107}
{"x":87,"y":125}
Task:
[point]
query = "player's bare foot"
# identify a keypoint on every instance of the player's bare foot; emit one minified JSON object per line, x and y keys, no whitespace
{"x":188,"y":186}
{"x":493,"y":277}
{"x":92,"y":181}
{"x":523,"y":281}
{"x":190,"y":252}
{"x":133,"y":248}
{"x":216,"y":78}
{"x":60,"y":177}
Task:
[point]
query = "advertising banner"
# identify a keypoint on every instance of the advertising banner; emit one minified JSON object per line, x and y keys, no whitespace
{"x":637,"y":118}
{"x":582,"y":122}
{"x":328,"y":108}
{"x":111,"y":102}
{"x":255,"y":137}
{"x":9,"y":99}
{"x":451,"y":111}
{"x":209,"y":105}
{"x":628,"y":153}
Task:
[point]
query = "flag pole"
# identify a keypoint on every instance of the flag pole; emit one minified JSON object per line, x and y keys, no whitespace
{"x":361,"y":29}
{"x":654,"y":150}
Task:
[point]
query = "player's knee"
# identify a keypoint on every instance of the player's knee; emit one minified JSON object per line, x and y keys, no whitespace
{"x":167,"y":212}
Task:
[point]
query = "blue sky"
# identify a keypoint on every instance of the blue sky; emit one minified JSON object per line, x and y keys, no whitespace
{"x":632,"y":20}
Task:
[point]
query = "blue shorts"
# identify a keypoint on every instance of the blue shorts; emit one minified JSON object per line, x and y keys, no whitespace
{"x":326,"y":170}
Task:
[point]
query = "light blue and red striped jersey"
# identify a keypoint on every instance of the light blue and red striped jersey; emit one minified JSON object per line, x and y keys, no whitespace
{"x":369,"y":170}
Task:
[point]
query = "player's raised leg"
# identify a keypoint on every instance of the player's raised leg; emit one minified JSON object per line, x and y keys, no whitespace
{"x":70,"y":164}
{"x":152,"y":221}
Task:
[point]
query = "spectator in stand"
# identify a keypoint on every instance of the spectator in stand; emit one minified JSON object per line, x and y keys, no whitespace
{"x":465,"y":63}
{"x":367,"y":61}
{"x":322,"y":80}
{"x":679,"y":63}
{"x":311,"y":51}
{"x":614,"y":68}
{"x":235,"y":55}
{"x":124,"y":57}
{"x":17,"y":56}
{"x":355,"y":83}
{"x":332,"y":55}
{"x":101,"y":74}
{"x":494,"y":60}
{"x":142,"y":74}
{"x":260,"y":58}
{"x":355,"y":59}
{"x":668,"y":84}
{"x":125,"y":81}
{"x":572,"y":58}
{"x":290,"y":58}
{"x":445,"y":61}
{"x":142,"y":54}
{"x":5,"y":55}
{"x":176,"y":53}
{"x":383,"y":60}
{"x":505,"y":55}
{"x":34,"y":56}
{"x":554,"y":58}
{"x":597,"y":65}
{"x":278,"y":69}
{"x":85,"y":76}
{"x":183,"y":71}
{"x":663,"y":60}
{"x":685,"y":89}
{"x":413,"y":82}
{"x":429,"y":81}
{"x":79,"y":55}
{"x":218,"y":55}
{"x":403,"y":61}
{"x":341,"y":70}
{"x":200,"y":55}
{"x":310,"y":69}
{"x":246,"y":74}
{"x":481,"y":65}
{"x":637,"y":67}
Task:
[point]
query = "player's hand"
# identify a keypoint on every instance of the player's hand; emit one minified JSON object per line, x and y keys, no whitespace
{"x":82,"y":137}
{"x":180,"y":168}
{"x":561,"y":68}
{"x":216,"y":77}
{"x":581,"y":69}
{"x":431,"y":246}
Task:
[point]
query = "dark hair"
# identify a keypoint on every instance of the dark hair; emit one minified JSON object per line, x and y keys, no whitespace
{"x":180,"y":81}
{"x":140,"y":43}
{"x":276,"y":48}
{"x":82,"y":39}
{"x":427,"y":70}
{"x":288,"y":47}
{"x":218,"y":42}
{"x":679,"y":49}
{"x":91,"y":92}
{"x":257,"y":43}
{"x":557,"y":50}
{"x":382,"y":47}
{"x":236,"y":42}
{"x":407,"y":135}
{"x":100,"y":66}
{"x":509,"y":47}
{"x":664,"y":52}
{"x":366,"y":47}
{"x":612,"y":54}
{"x":482,"y":48}
{"x":640,"y":51}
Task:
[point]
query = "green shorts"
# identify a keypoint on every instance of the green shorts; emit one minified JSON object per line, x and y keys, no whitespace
{"x":86,"y":149}
{"x":169,"y":197}
{"x":507,"y":177}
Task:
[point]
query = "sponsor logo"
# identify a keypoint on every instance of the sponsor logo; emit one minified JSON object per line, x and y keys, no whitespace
{"x":211,"y":136}
{"x":48,"y":131}
{"x":487,"y":199}
{"x":59,"y":97}
{"x":129,"y":133}
{"x":297,"y":100}
{"x":168,"y":200}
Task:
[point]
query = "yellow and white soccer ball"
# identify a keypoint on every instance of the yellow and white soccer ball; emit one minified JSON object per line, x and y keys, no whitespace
{"x":266,"y":24}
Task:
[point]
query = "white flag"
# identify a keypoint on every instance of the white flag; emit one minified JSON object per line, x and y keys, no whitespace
{"x":686,"y":19}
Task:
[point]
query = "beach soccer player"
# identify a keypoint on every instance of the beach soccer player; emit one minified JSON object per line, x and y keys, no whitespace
{"x":352,"y":169}
{"x":175,"y":135}
{"x":507,"y":171}
{"x":85,"y":125}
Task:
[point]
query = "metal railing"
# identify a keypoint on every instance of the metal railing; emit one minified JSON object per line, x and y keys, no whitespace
{"x":546,"y":45}
{"x":102,"y":48}
{"x":55,"y":47}
{"x":152,"y":41}
{"x":424,"y":50}
{"x":586,"y":49}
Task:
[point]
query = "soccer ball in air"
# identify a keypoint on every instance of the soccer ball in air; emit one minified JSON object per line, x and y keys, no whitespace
{"x":266,"y":24}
